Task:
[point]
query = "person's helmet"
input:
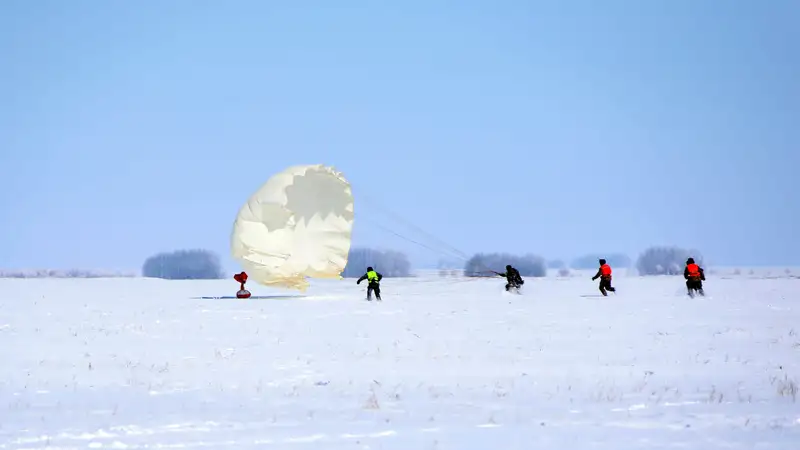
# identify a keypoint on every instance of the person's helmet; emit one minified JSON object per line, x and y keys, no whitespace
{"x":508,"y":267}
{"x":690,"y":261}
{"x":369,"y":269}
{"x":602,"y":261}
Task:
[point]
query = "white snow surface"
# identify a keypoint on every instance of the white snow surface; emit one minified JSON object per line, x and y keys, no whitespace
{"x":439,"y":364}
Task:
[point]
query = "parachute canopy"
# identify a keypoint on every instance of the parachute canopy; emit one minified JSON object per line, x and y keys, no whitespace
{"x":297,"y":225}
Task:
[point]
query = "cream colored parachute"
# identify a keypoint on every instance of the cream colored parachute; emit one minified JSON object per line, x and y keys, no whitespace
{"x":297,"y":225}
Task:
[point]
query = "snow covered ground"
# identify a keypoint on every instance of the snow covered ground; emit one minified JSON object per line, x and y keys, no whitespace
{"x":441,"y":363}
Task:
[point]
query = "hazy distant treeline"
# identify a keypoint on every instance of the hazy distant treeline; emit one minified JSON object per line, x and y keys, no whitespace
{"x":198,"y":264}
{"x":195,"y":264}
{"x":658,"y":260}
{"x":665,"y":260}
{"x":69,"y":273}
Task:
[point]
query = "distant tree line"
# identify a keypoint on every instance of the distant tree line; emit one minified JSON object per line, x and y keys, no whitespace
{"x":660,"y":260}
{"x":202,"y":264}
{"x":194,"y":264}
{"x":68,"y":273}
{"x":389,"y":263}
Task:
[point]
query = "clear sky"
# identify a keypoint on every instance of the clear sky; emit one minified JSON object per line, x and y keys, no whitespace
{"x":559,"y":128}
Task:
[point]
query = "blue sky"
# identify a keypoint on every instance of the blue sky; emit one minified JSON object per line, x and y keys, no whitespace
{"x":560,"y":127}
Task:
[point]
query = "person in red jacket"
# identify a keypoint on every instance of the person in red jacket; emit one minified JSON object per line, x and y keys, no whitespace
{"x":604,"y":273}
{"x":695,"y":276}
{"x":242,"y":279}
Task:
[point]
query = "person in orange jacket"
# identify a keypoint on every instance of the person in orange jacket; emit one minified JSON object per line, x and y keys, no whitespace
{"x":604,"y":273}
{"x":694,"y":276}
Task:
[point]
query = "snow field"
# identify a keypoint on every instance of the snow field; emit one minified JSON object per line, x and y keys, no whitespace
{"x":440,"y":363}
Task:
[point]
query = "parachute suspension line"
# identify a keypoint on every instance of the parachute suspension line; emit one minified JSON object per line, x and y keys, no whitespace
{"x":388,"y":230}
{"x":436,"y":250}
{"x":443,"y":249}
{"x":430,"y":236}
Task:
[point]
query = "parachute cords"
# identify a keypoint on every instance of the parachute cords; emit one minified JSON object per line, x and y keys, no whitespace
{"x":445,"y":248}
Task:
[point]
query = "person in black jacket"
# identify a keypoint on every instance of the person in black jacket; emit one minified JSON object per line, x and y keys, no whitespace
{"x":374,"y":279}
{"x":513,"y":278}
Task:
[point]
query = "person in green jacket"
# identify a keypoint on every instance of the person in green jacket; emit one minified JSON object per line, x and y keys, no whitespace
{"x":374,"y":279}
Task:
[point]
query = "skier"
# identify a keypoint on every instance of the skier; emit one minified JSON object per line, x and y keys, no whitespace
{"x":242,"y":279}
{"x":513,"y":278}
{"x":695,"y":276}
{"x":373,"y":278}
{"x":604,"y":273}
